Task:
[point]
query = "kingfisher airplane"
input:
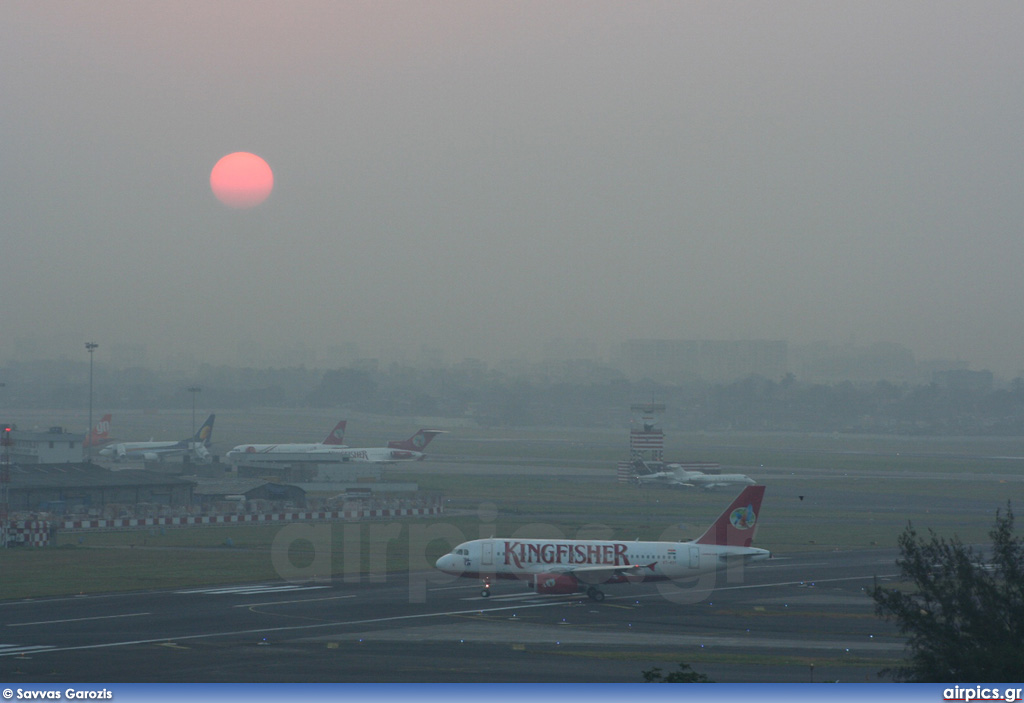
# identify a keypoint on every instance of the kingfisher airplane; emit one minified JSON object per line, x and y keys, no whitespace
{"x":196,"y":446}
{"x":417,"y":443}
{"x":569,"y":566}
{"x":678,"y":475}
{"x":100,"y":434}
{"x":327,"y":452}
{"x":289,"y":452}
{"x":397,"y":450}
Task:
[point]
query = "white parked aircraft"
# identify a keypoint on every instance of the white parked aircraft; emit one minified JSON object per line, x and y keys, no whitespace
{"x":569,"y":566}
{"x":289,"y":452}
{"x":678,"y":475}
{"x":405,"y":450}
{"x":196,"y":446}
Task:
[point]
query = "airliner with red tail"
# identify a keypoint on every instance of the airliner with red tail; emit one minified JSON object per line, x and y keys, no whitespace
{"x":328,"y":451}
{"x":335,"y":439}
{"x":397,"y":450}
{"x":414,"y":445}
{"x":100,"y":434}
{"x":570,"y":566}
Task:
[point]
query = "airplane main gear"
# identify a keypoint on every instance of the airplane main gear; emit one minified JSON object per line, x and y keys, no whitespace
{"x":595,"y":594}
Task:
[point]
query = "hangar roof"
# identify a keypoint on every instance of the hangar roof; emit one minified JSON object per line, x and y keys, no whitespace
{"x":86,"y":475}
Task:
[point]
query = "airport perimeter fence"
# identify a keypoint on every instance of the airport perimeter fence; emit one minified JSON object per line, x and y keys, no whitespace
{"x":39,"y":533}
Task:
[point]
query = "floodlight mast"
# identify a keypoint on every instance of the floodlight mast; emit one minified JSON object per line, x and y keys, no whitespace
{"x":90,"y":347}
{"x":193,"y":390}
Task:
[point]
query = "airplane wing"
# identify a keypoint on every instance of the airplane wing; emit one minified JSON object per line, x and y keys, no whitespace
{"x":600,"y":574}
{"x":159,"y":453}
{"x":663,"y":479}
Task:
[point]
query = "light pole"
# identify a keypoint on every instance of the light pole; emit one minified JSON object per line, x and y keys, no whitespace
{"x":193,"y":390}
{"x":90,"y":347}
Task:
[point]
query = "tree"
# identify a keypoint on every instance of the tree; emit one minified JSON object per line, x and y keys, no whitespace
{"x":964,"y":616}
{"x":684,"y":675}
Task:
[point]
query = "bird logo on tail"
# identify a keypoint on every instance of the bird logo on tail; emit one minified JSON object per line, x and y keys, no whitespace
{"x":743,"y":518}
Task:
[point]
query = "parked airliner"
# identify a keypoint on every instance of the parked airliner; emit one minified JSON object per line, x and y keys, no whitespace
{"x":196,"y":447}
{"x":289,"y":452}
{"x":569,"y":566}
{"x":678,"y":475}
{"x":397,"y":450}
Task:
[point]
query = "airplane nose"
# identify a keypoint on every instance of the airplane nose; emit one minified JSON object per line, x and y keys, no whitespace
{"x":449,"y":565}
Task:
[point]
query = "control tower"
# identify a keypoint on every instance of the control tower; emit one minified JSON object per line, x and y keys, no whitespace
{"x":646,"y":438}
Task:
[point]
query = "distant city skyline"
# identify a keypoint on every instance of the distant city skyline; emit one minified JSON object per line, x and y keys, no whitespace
{"x":478,"y":178}
{"x":820,"y":360}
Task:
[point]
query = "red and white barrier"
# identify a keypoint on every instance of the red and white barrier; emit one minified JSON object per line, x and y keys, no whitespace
{"x":29,"y":533}
{"x":248,"y":518}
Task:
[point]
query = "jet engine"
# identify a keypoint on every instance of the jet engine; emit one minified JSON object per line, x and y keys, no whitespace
{"x":555,"y":583}
{"x":151,"y":456}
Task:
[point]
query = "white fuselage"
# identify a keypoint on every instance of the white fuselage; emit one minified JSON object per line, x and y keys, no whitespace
{"x":682,"y":477}
{"x":148,"y":451}
{"x":719,"y":480}
{"x":523,"y":558}
{"x":278,"y":452}
{"x":317,"y":453}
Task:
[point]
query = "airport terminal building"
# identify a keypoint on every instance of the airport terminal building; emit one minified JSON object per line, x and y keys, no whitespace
{"x":84,"y":488}
{"x":54,"y":446}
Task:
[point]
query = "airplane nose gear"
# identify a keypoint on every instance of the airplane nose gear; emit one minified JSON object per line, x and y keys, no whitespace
{"x":486,"y":592}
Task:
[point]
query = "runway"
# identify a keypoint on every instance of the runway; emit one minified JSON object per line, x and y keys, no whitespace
{"x":793,"y":618}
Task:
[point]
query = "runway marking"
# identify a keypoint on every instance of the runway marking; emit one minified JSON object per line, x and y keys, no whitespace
{"x":805,"y":582}
{"x":251,"y":590}
{"x":284,"y":602}
{"x":12,"y":650}
{"x":505,"y":597}
{"x":264,"y":631}
{"x":58,"y":622}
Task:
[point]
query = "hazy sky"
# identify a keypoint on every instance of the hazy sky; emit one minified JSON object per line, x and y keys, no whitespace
{"x":480,"y":176}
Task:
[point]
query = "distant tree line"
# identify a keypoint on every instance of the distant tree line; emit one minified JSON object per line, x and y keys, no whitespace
{"x":531,"y":398}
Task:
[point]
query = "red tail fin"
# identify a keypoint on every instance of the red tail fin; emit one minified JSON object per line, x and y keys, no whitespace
{"x":337,"y":435}
{"x":417,"y":443}
{"x":737,"y":525}
{"x":100,"y":434}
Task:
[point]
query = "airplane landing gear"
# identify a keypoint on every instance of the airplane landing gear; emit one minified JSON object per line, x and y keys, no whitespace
{"x":595,"y":595}
{"x":486,"y":592}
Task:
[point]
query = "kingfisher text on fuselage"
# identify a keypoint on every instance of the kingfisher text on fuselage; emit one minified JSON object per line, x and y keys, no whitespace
{"x":519,"y":553}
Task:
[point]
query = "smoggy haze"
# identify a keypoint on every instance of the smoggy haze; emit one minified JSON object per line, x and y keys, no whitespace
{"x":479,"y":177}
